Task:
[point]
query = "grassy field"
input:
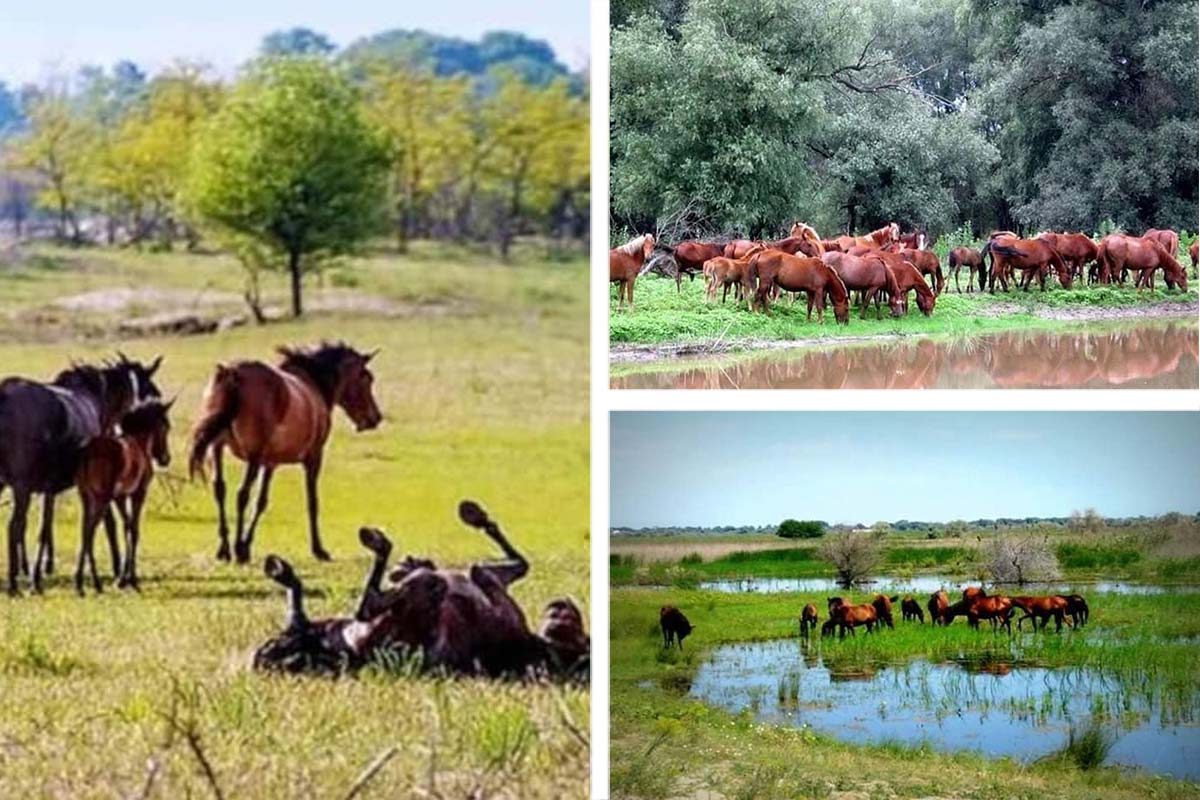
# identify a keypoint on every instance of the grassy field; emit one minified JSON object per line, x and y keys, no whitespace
{"x":482,"y":379}
{"x":668,"y":744}
{"x":663,"y":316}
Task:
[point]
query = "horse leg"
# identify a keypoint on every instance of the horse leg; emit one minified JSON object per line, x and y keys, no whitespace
{"x":630,"y":290}
{"x":509,"y":571}
{"x":312,"y":470}
{"x":47,"y":532}
{"x":241,"y":549}
{"x":264,"y":487}
{"x":136,"y":502}
{"x":110,"y":532}
{"x":219,"y":496}
{"x":282,"y":573}
{"x":378,"y":543}
{"x":16,"y":535}
{"x":92,"y":510}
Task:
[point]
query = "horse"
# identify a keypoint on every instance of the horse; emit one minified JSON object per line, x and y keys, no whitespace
{"x":808,"y":233}
{"x":689,"y":259}
{"x":808,"y":619}
{"x":772,"y":268}
{"x":910,"y":610}
{"x":1194,"y":252}
{"x":456,"y":622}
{"x":875,"y":239}
{"x":1168,"y":238}
{"x":739,"y":248}
{"x":117,"y":470}
{"x":848,"y":617}
{"x":1031,"y":256}
{"x":938,"y":604}
{"x":966,"y":257}
{"x":726,"y":272}
{"x":869,"y":275}
{"x":1042,"y":609}
{"x":44,"y":428}
{"x":883,"y":607}
{"x":909,"y":278}
{"x":913,"y":240}
{"x":675,"y":626}
{"x":979,"y":606}
{"x":270,"y":415}
{"x":1077,"y":608}
{"x":926,"y":262}
{"x":626,"y":263}
{"x":1075,"y":249}
{"x":1119,"y":252}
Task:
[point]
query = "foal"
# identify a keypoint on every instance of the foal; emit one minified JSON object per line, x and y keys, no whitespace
{"x":117,"y":470}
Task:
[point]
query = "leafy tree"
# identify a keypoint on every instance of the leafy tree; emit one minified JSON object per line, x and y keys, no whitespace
{"x":533,"y":60}
{"x":296,"y":42}
{"x":289,"y":169}
{"x":797,"y":529}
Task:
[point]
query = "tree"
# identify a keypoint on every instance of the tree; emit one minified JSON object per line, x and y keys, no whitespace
{"x":854,"y":556}
{"x":797,"y":529}
{"x":289,"y":169}
{"x":56,"y":147}
{"x":1019,"y":559}
{"x":1088,"y":521}
{"x":296,"y":42}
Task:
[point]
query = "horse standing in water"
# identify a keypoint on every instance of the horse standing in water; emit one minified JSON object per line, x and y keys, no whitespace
{"x":269,"y":415}
{"x":44,"y":429}
{"x":626,"y":263}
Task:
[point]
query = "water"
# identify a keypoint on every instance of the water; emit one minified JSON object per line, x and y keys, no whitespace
{"x":998,"y":710}
{"x":1142,"y":357}
{"x":927,"y":584}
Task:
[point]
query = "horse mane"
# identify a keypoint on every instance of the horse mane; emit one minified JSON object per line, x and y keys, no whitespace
{"x":633,"y":246}
{"x":319,"y":362}
{"x":893,"y":285}
{"x":85,"y":377}
{"x":144,"y":417}
{"x":837,"y":278}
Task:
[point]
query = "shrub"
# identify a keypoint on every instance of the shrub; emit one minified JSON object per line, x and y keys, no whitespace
{"x":854,"y":556}
{"x":801,"y":529}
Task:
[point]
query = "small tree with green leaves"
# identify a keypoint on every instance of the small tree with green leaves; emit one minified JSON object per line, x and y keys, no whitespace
{"x":800,"y":529}
{"x":290,"y":166}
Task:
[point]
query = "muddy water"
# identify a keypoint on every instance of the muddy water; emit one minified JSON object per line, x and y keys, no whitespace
{"x":1139,"y":357}
{"x":927,"y":584}
{"x":1022,"y":712}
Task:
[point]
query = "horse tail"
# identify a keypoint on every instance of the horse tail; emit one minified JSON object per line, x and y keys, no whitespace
{"x":221,"y":409}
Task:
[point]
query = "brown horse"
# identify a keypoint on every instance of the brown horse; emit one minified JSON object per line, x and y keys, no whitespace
{"x":1194,"y":252}
{"x":808,"y":619}
{"x":808,"y":233}
{"x":726,"y":272}
{"x":869,"y":275}
{"x":910,"y":610}
{"x":690,"y":256}
{"x":117,"y":470}
{"x":883,"y":607}
{"x":1042,"y":609}
{"x":938,"y":604}
{"x":1077,"y":608}
{"x":966,"y":257}
{"x":876,"y":239}
{"x":979,"y":606}
{"x":909,"y":278}
{"x":1031,"y":256}
{"x":1119,"y":252}
{"x":926,"y":261}
{"x":913,"y":240}
{"x":1076,"y":249}
{"x":847,"y":617}
{"x":1168,"y":238}
{"x":739,"y":248}
{"x":675,"y":626}
{"x":272,"y":415}
{"x":626,"y":263}
{"x":772,"y":269}
{"x":830,"y":245}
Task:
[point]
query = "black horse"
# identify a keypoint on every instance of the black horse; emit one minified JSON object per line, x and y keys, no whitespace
{"x":44,"y":428}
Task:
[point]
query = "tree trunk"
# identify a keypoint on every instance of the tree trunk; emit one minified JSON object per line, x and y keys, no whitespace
{"x":294,"y":269}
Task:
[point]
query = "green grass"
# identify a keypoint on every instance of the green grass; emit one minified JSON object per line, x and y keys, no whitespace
{"x":666,"y":744}
{"x":663,"y":316}
{"x":483,"y":382}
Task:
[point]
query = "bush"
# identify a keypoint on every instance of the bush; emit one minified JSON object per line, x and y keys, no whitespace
{"x":801,"y":529}
{"x":854,"y":556}
{"x":1020,"y":559}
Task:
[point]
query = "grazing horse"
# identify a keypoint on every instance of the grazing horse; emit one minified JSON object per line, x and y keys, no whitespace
{"x":875,"y":239}
{"x":926,"y":262}
{"x":675,"y":626}
{"x":774,"y":269}
{"x":1075,"y":249}
{"x":910,"y":610}
{"x":883,"y":607}
{"x":966,"y":257}
{"x":269,"y":415}
{"x":626,"y":263}
{"x":1077,"y":608}
{"x":1119,"y":252}
{"x":726,"y":272}
{"x":1042,"y":609}
{"x":1031,"y":256}
{"x":848,"y":617}
{"x":458,"y":622}
{"x":909,"y":278}
{"x":869,"y":275}
{"x":117,"y":470}
{"x":689,"y":259}
{"x":1168,"y":238}
{"x":43,"y":431}
{"x":979,"y":606}
{"x":808,"y":619}
{"x":939,"y":603}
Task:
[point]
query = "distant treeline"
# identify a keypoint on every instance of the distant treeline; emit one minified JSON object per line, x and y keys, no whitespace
{"x":739,"y":117}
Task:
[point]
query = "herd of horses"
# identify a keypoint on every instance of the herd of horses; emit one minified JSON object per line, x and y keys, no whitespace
{"x":103,"y":429}
{"x":976,"y":605}
{"x":887,"y":265}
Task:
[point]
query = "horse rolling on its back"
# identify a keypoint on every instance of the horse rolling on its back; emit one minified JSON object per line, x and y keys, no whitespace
{"x":269,"y":415}
{"x":44,"y":428}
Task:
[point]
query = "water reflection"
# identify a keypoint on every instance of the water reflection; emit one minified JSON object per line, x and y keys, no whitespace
{"x":1147,"y":357}
{"x":996,"y":706}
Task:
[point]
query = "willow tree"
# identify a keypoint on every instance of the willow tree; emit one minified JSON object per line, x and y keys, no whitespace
{"x":289,"y":170}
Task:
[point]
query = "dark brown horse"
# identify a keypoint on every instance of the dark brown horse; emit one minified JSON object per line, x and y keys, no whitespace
{"x":1076,"y":249}
{"x":910,"y":610}
{"x":1119,"y":252}
{"x":966,"y":257}
{"x":847,"y":617}
{"x":808,"y":619}
{"x":626,"y":263}
{"x":772,"y":269}
{"x":939,"y":603}
{"x":43,"y":431}
{"x":883,"y":607}
{"x":1077,"y":608}
{"x":869,"y":275}
{"x":269,"y":415}
{"x":675,"y":626}
{"x":458,"y":622}
{"x":1032,"y":256}
{"x":997,"y":609}
{"x":1042,"y":609}
{"x":690,"y":256}
{"x":116,"y":470}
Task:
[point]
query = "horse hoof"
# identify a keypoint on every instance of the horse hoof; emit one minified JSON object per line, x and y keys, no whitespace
{"x":279,"y":570}
{"x":322,"y":555}
{"x":223,"y":553}
{"x":243,"y":557}
{"x":376,"y":541}
{"x":471,"y":513}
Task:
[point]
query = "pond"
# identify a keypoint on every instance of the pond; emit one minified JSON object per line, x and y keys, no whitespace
{"x":1139,"y":357}
{"x":997,"y":710}
{"x":924,"y":585}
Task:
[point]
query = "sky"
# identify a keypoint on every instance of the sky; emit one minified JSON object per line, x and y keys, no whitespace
{"x":41,"y":39}
{"x":758,"y":468}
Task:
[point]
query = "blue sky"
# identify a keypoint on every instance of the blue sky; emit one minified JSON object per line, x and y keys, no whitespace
{"x":735,"y":468}
{"x":38,"y":39}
